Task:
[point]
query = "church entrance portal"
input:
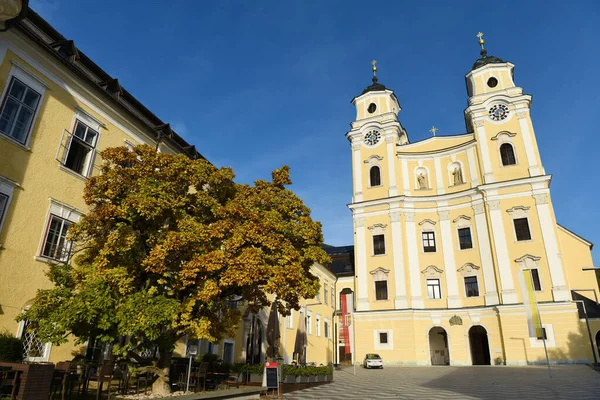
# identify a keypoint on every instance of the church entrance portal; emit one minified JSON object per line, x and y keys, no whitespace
{"x":438,"y":346}
{"x":480,"y":348}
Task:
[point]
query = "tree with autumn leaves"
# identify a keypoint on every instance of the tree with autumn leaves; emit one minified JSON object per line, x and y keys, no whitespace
{"x":166,"y":242}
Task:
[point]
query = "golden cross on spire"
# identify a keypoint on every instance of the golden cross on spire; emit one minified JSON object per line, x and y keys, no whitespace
{"x":481,"y":41}
{"x":374,"y":63}
{"x":433,"y":130}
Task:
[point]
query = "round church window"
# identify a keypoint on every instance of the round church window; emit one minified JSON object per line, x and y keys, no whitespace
{"x":492,"y":82}
{"x":372,"y":108}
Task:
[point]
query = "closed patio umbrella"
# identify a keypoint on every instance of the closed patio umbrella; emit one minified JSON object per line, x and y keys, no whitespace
{"x":301,"y":340}
{"x":273,"y":333}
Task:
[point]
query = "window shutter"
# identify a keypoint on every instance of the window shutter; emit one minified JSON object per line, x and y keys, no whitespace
{"x":63,"y":148}
{"x":95,"y":163}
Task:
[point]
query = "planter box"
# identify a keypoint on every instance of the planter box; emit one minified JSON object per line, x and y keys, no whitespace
{"x":289,"y":379}
{"x":312,"y":378}
{"x":302,"y":379}
{"x":321,"y":378}
{"x":329,"y":378}
{"x":36,"y":380}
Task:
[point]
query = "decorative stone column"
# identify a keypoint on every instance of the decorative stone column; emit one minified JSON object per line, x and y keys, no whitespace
{"x":393,"y":188}
{"x":357,"y":172}
{"x":413,"y":261}
{"x":362,"y":303}
{"x":401,"y":301}
{"x":534,"y":168}
{"x":449,"y":260}
{"x":488,"y":174}
{"x":559,"y":288}
{"x":509,"y":295}
{"x":485,"y":252}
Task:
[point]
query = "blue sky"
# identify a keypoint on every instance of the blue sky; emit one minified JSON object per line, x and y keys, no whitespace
{"x":257,"y":84}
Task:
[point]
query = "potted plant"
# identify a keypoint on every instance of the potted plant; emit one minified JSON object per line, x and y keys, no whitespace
{"x":290,"y":374}
{"x":329,"y":373}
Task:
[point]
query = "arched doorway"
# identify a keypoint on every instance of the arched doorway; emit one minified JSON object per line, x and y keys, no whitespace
{"x":438,"y":346}
{"x":480,"y":347}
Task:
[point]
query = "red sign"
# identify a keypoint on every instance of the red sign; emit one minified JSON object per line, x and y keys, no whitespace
{"x":271,"y":364}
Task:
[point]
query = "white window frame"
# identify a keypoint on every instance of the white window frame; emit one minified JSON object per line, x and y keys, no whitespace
{"x":383,"y":346}
{"x":232,"y":342}
{"x":318,"y":325}
{"x":61,"y":210}
{"x":47,"y":346}
{"x":519,"y":212}
{"x":439,"y":286}
{"x":36,"y":84}
{"x":327,"y":332}
{"x":332,"y":293}
{"x":378,"y":229}
{"x":374,"y":161}
{"x":550,"y":339}
{"x":318,"y":296}
{"x":470,"y":270}
{"x":64,"y":148}
{"x":289,"y":320}
{"x":502,"y":138}
{"x":380,"y":275}
{"x":6,"y":188}
{"x":461,"y":222}
{"x":325,"y":291}
{"x":308,"y":322}
{"x":428,"y":226}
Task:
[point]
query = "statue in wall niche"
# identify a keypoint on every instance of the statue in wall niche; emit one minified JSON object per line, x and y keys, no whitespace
{"x":457,"y":175}
{"x":422,"y":180}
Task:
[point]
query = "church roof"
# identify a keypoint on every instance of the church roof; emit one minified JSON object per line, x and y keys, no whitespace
{"x":375,"y":87}
{"x":485,"y":60}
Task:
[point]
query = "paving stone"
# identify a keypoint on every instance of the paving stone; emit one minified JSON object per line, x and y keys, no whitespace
{"x":468,"y":383}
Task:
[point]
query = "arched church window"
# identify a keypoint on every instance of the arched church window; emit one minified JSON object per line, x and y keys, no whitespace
{"x":375,"y":176}
{"x":507,"y":153}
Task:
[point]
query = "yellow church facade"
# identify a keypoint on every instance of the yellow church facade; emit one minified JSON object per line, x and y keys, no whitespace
{"x":445,"y":227}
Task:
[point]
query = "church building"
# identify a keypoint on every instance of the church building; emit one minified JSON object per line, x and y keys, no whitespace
{"x":445,"y":227}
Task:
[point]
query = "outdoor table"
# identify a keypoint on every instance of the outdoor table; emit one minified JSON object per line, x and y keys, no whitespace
{"x":215,"y":378}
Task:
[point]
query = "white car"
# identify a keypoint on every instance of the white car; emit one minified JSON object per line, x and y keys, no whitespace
{"x":373,"y":361}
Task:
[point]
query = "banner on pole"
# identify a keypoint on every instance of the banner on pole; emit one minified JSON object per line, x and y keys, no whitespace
{"x":529,"y":302}
{"x":347,"y":332}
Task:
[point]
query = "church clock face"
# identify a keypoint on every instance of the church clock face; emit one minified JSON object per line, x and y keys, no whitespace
{"x":372,"y":138}
{"x":498,"y":112}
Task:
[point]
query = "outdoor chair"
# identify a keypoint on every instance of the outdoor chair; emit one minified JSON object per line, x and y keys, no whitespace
{"x":134,"y":379}
{"x":9,"y":383}
{"x":233,"y":380}
{"x":198,"y":376}
{"x":105,"y":375}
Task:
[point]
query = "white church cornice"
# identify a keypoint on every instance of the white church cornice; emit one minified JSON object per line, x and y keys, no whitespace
{"x":443,"y":152}
{"x":537,"y":184}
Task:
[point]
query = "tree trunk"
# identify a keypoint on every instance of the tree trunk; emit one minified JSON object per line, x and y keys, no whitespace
{"x":161,"y":384}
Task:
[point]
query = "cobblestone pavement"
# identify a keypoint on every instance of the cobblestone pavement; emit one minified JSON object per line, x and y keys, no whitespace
{"x":522,"y":383}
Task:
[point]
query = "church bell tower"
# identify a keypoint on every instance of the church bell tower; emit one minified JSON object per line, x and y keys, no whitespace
{"x":499,"y":115}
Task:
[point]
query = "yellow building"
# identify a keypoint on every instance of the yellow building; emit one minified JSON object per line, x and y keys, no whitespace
{"x":444,"y":228}
{"x":250,"y":343}
{"x":58,"y":109}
